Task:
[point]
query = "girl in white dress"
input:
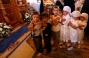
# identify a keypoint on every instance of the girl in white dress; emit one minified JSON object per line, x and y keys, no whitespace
{"x":73,"y":26}
{"x":64,"y":31}
{"x":82,"y":26}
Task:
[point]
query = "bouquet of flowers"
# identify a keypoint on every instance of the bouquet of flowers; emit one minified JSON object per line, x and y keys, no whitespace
{"x":5,"y":30}
{"x":27,"y":17}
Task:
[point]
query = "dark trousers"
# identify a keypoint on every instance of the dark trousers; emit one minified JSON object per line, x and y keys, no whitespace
{"x":38,"y":43}
{"x":47,"y":41}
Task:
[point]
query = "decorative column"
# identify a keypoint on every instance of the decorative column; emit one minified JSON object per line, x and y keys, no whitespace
{"x":21,"y":6}
{"x":17,"y":6}
{"x":17,"y":10}
{"x":4,"y":12}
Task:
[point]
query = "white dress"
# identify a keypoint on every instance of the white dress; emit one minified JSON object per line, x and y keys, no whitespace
{"x":81,"y":32}
{"x":74,"y":32}
{"x":64,"y":30}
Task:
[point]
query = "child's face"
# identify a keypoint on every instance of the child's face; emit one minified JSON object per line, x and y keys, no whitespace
{"x":44,"y":19}
{"x":65,"y":12}
{"x":35,"y":17}
{"x":55,"y":11}
{"x":76,"y":18}
{"x":82,"y":18}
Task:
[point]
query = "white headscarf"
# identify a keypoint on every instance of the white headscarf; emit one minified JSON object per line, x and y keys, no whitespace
{"x":67,"y":8}
{"x":85,"y":15}
{"x":76,"y":14}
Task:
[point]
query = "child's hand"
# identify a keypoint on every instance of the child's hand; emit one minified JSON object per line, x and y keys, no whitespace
{"x":63,"y":20}
{"x":55,"y":22}
{"x":81,"y":25}
{"x":44,"y":24}
{"x":58,"y":18}
{"x":32,"y":21}
{"x":30,"y":26}
{"x":43,"y":28}
{"x":70,"y":24}
{"x":37,"y":23}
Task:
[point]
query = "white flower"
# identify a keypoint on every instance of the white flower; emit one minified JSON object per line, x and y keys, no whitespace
{"x":4,"y":23}
{"x":3,"y":32}
{"x":27,"y":16}
{"x":1,"y":29}
{"x":5,"y":26}
{"x":8,"y":27}
{"x":1,"y":24}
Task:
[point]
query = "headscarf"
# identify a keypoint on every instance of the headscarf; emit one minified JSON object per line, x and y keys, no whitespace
{"x":76,"y":14}
{"x":85,"y":15}
{"x":67,"y":8}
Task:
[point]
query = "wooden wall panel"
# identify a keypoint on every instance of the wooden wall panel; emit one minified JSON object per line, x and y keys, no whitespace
{"x":6,"y":1}
{"x":10,"y":12}
{"x":1,"y":17}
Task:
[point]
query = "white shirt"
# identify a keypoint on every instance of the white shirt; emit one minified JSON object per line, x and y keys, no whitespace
{"x":56,"y":28}
{"x":38,"y":30}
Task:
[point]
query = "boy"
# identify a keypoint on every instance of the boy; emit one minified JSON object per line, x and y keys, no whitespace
{"x":35,"y":27}
{"x":55,"y":26}
{"x":46,"y":28}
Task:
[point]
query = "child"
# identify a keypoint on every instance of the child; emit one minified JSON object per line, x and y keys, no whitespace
{"x":35,"y":27}
{"x":30,"y":8}
{"x":82,"y":26}
{"x":46,"y":28}
{"x":73,"y":26}
{"x":55,"y":26}
{"x":64,"y":31}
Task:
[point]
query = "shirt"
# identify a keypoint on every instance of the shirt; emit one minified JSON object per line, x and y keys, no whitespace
{"x":47,"y":31}
{"x":56,"y":28}
{"x":38,"y":30}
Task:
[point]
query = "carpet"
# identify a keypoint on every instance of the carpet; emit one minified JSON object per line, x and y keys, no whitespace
{"x":12,"y":38}
{"x":82,"y":52}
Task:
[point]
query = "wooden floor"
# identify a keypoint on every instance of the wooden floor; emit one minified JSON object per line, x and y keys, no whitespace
{"x":82,"y":52}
